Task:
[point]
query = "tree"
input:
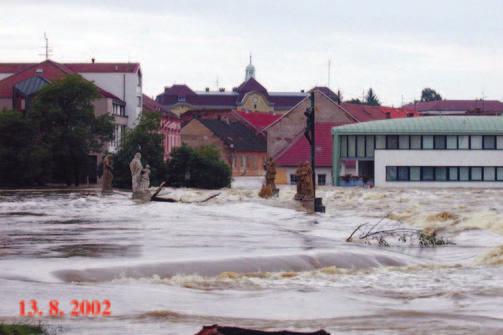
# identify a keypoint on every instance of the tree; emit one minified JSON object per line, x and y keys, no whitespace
{"x":147,"y":140}
{"x":63,"y":115}
{"x":23,"y":161}
{"x":371,"y":99}
{"x":355,"y":101}
{"x":429,"y":94}
{"x":199,"y":168}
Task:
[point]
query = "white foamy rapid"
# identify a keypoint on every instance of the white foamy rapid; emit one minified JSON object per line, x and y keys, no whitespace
{"x":169,"y":268}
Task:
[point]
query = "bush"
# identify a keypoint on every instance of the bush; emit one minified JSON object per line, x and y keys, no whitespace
{"x":145,"y":139}
{"x":198,"y":168}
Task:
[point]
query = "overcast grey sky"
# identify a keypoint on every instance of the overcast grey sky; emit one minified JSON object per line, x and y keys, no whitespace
{"x":396,"y":47}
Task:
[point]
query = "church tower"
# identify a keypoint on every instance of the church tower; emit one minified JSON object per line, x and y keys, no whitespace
{"x":250,"y":70}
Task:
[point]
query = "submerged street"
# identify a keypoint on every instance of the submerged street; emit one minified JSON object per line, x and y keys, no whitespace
{"x":169,"y":268}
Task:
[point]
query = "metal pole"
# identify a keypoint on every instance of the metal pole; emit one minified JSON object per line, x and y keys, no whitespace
{"x":313,"y":146}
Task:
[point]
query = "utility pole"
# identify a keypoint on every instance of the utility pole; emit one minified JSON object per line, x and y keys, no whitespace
{"x":309,"y":133}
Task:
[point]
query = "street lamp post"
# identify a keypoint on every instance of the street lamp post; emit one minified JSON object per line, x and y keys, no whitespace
{"x":309,"y":133}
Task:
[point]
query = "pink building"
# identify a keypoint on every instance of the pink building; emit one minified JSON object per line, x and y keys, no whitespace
{"x":170,"y":125}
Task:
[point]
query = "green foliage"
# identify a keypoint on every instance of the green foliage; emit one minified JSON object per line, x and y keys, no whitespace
{"x":22,"y":161}
{"x":198,"y":168}
{"x":429,"y":94}
{"x":64,"y":116}
{"x":20,"y":329}
{"x":355,"y":101}
{"x":146,"y":139}
{"x":371,"y":98}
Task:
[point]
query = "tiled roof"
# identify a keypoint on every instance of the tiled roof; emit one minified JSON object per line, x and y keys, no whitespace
{"x":181,"y":93}
{"x":151,"y":105}
{"x":77,"y":67}
{"x":103,"y":67}
{"x":300,"y":151}
{"x":257,"y":119}
{"x":236,"y":134}
{"x":457,"y":105}
{"x":250,"y":85}
{"x":363,"y":113}
{"x":48,"y":70}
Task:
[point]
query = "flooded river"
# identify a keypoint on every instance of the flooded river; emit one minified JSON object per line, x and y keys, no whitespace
{"x":169,"y":268}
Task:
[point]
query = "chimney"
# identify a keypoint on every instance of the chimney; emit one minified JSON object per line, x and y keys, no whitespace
{"x":207,"y":89}
{"x":93,"y":60}
{"x":302,"y":91}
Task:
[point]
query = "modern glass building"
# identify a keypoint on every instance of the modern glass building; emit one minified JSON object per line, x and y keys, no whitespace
{"x":435,"y":151}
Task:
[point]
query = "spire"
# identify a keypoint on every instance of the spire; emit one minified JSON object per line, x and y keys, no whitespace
{"x":250,"y":70}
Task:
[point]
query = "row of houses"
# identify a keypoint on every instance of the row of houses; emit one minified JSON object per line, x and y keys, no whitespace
{"x":356,"y":143}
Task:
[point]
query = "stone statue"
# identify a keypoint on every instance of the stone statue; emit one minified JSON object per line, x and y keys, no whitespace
{"x":269,"y":189}
{"x":106,"y":186}
{"x":145,"y":179}
{"x":305,"y":189}
{"x":140,"y":178}
{"x":136,"y":169}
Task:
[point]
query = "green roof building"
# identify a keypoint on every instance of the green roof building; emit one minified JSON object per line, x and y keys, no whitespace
{"x":436,"y":151}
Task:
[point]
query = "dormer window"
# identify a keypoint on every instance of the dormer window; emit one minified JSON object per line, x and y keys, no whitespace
{"x":181,"y":99}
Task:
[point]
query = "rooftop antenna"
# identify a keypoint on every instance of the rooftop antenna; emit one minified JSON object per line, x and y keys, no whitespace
{"x":329,"y":64}
{"x":218,"y":84}
{"x":48,"y":50}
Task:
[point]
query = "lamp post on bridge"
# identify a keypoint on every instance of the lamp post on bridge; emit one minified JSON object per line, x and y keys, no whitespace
{"x":309,"y":133}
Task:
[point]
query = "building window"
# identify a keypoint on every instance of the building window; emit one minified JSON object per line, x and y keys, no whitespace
{"x":453,"y":173}
{"x":138,"y":102}
{"x":415,"y":142}
{"x":476,"y":142}
{"x":403,"y":142}
{"x":440,"y":142}
{"x":344,"y":146}
{"x":489,"y":142}
{"x":322,"y":179}
{"x":499,"y":142}
{"x":369,"y":151}
{"x":476,"y":173}
{"x":391,"y":142}
{"x":293,"y":179}
{"x":403,"y":173}
{"x":499,"y":173}
{"x":360,"y":146}
{"x":351,"y":146}
{"x":391,"y":173}
{"x":427,"y":142}
{"x":380,"y":142}
{"x":444,"y":174}
{"x":415,"y":173}
{"x":464,"y":173}
{"x":181,"y":99}
{"x":489,"y":174}
{"x":464,"y":142}
{"x":427,"y":173}
{"x":440,"y":174}
{"x":452,"y":142}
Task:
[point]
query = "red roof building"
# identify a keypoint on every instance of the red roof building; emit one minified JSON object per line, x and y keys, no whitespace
{"x":457,"y":107}
{"x":170,"y":125}
{"x":258,"y":120}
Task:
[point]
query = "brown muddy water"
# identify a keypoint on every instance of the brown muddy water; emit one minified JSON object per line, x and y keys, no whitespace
{"x":169,"y":268}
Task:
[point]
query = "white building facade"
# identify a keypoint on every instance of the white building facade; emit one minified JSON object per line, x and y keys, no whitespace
{"x":440,"y":151}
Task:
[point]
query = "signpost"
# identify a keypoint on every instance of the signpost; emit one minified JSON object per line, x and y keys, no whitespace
{"x":309,"y":133}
